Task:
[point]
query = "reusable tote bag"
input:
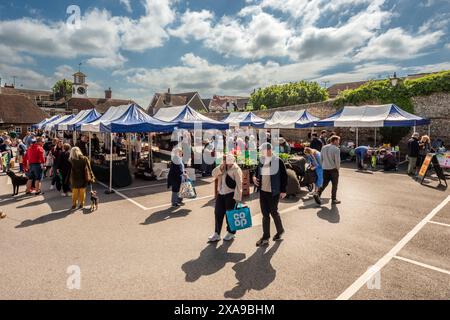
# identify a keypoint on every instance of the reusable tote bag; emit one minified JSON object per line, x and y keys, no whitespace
{"x":187,"y":190}
{"x":239,"y":218}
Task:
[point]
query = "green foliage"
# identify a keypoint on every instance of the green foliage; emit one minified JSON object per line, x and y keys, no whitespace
{"x":382,"y":92}
{"x":67,"y":84}
{"x":284,"y":156}
{"x":288,"y":94}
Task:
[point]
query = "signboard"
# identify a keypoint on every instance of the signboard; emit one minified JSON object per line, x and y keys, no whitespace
{"x":432,"y":160}
{"x":444,"y":160}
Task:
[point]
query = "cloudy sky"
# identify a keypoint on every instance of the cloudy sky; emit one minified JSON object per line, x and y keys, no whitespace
{"x":137,"y":47}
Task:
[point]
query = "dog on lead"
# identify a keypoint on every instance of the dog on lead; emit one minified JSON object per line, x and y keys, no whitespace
{"x":16,"y":181}
{"x":94,"y":200}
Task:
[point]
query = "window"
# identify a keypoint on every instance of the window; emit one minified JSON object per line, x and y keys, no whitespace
{"x":29,"y":129}
{"x":74,"y":111}
{"x":18,"y":130}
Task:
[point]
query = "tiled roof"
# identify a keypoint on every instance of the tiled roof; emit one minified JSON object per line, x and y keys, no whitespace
{"x":334,"y":90}
{"x":18,"y":109}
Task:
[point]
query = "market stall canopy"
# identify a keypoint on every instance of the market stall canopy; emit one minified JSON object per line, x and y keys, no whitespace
{"x":53,"y":125}
{"x":69,"y":124}
{"x":291,"y":119}
{"x":187,"y":118}
{"x":134,"y":119}
{"x":91,"y":116}
{"x":388,"y":115}
{"x":41,"y":124}
{"x":111,"y":114}
{"x":243,"y":119}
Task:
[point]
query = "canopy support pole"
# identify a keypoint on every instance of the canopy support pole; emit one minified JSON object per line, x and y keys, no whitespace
{"x":109,"y":191}
{"x":375,"y":141}
{"x":414,"y":129}
{"x":357,"y":137}
{"x":150,"y":151}
{"x":429,"y":130}
{"x":90,"y":148}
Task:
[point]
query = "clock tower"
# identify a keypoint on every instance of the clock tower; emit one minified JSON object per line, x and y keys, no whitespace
{"x":79,"y":86}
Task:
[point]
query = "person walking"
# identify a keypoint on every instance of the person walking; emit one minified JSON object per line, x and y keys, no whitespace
{"x":413,"y":153}
{"x":229,"y":192}
{"x":54,"y":153}
{"x":323,"y":137}
{"x":35,"y":161}
{"x":331,"y":163}
{"x":63,"y":168}
{"x":271,"y":181}
{"x":316,"y":143}
{"x":80,"y":176}
{"x":314,"y":159}
{"x":176,"y":175}
{"x":21,"y":149}
{"x":82,"y":144}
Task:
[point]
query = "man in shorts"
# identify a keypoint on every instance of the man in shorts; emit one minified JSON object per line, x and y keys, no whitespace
{"x":35,"y":158}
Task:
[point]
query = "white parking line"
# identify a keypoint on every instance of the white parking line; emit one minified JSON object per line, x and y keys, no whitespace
{"x":365,"y":277}
{"x":188,"y":200}
{"x":120,"y":194}
{"x":440,"y":223}
{"x":423,"y":265}
{"x":142,"y":187}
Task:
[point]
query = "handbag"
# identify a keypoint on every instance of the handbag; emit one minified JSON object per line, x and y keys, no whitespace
{"x":239,"y":218}
{"x":87,"y":174}
{"x":187,"y":190}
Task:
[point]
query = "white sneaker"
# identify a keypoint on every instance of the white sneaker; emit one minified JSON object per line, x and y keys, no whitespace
{"x":63,"y":194}
{"x":229,"y":236}
{"x":214,"y":238}
{"x":69,"y":194}
{"x":52,"y":187}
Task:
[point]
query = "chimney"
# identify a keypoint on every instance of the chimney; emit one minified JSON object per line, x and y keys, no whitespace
{"x":108,"y":93}
{"x":168,"y":98}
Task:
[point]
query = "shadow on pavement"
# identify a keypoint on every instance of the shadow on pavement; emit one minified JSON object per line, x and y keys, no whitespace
{"x":166,"y":214}
{"x":212,"y":259}
{"x":254,"y":273}
{"x":52,"y":216}
{"x":329,"y":214}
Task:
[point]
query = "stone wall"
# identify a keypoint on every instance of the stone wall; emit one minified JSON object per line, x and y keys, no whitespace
{"x":435,"y":107}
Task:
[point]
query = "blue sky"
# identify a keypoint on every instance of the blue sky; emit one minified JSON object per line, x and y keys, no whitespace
{"x":225,"y":47}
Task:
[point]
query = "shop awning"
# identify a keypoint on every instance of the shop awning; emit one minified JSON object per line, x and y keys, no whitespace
{"x":244,"y":119}
{"x":291,"y":119}
{"x":388,"y":115}
{"x":187,"y":118}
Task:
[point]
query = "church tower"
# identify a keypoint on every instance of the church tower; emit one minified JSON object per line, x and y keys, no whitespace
{"x":79,"y":86}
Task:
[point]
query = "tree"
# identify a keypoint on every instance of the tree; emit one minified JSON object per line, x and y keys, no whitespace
{"x":66,"y":83}
{"x":288,"y":94}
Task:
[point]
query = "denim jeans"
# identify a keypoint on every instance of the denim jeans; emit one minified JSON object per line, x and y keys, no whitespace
{"x":175,"y":198}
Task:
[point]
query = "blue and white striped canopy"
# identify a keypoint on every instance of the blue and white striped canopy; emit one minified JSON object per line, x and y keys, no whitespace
{"x":187,"y":118}
{"x":291,"y":119}
{"x":244,"y":119}
{"x":388,"y":115}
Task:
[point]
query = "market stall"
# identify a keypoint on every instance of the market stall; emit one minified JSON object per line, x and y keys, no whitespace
{"x":372,"y":116}
{"x":187,"y":118}
{"x":131,"y":120}
{"x":52,"y":125}
{"x":40,"y":125}
{"x":244,"y":119}
{"x":291,"y":119}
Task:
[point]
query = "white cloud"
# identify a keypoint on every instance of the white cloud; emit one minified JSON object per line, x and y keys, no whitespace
{"x":194,"y":24}
{"x":398,"y":44}
{"x":127,"y":5}
{"x":100,"y":38}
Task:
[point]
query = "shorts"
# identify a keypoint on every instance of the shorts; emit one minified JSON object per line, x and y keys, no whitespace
{"x":35,"y":172}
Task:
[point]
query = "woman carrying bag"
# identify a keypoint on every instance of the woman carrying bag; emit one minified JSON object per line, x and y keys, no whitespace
{"x":80,"y":176}
{"x":313,"y":158}
{"x":176,"y":176}
{"x":229,"y":192}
